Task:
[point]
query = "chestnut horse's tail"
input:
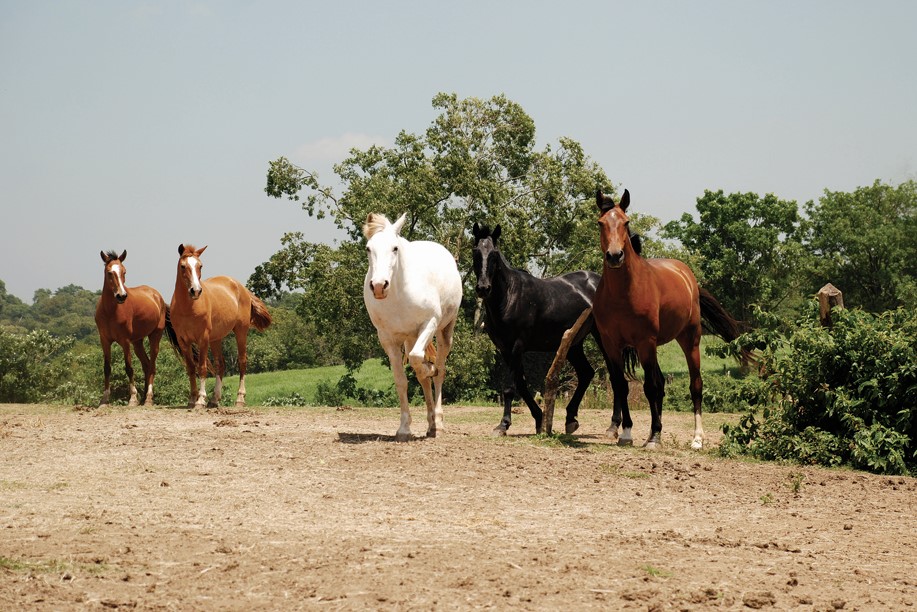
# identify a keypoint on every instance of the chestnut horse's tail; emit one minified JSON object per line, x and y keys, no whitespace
{"x":261,"y":318}
{"x":170,"y":331}
{"x":717,"y":320}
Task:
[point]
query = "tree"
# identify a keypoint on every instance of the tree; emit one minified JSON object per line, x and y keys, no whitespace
{"x":477,"y":161}
{"x":865,"y":243}
{"x":748,"y":248}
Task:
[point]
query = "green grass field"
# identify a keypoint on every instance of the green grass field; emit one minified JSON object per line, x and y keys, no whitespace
{"x":374,"y":375}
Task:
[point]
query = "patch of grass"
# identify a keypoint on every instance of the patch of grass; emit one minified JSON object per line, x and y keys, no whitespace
{"x":556,"y":440}
{"x":767,"y":499}
{"x":656,"y":572}
{"x":796,"y":481}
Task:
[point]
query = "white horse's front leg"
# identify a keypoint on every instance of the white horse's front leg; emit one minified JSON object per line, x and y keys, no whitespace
{"x":401,"y":386}
{"x":417,"y":355}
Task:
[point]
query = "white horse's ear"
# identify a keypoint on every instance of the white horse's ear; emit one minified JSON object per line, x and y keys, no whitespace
{"x":397,"y":225}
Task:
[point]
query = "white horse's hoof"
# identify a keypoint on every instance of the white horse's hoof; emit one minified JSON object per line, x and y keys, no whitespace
{"x":697,"y":444}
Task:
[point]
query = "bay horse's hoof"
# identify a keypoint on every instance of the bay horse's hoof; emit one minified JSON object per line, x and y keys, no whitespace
{"x":402,"y":437}
{"x":571,"y":427}
{"x":624,"y":442}
{"x":499,"y":431}
{"x":212,"y":404}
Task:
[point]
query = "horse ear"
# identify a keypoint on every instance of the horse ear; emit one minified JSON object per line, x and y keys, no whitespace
{"x":495,"y":235}
{"x":104,"y":256}
{"x":181,"y":249}
{"x":400,"y":223}
{"x":625,"y":200}
{"x":475,"y":231}
{"x":200,"y":250}
{"x":603,"y":202}
{"x":123,"y":255}
{"x":636,"y":242}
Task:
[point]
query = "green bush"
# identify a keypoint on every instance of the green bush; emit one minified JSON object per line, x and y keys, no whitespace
{"x":845,"y":394}
{"x":32,"y":365}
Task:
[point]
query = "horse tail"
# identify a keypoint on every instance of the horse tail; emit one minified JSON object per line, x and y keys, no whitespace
{"x":630,"y":362}
{"x":170,"y":331}
{"x":717,"y":320}
{"x":261,"y":317}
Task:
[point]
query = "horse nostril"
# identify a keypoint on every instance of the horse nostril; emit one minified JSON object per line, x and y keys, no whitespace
{"x":385,"y":286}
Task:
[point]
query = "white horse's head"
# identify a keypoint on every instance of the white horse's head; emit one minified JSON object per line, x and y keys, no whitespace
{"x":382,"y":242}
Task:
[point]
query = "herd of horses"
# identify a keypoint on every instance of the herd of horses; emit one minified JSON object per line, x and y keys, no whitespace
{"x":413,"y":292}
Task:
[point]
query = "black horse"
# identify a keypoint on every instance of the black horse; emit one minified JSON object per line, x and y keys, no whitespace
{"x":525,"y":313}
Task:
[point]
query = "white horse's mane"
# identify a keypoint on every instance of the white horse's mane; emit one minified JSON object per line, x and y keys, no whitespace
{"x":374,"y":223}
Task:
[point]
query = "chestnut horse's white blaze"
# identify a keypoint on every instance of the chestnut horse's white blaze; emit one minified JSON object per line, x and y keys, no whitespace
{"x":412,"y":293}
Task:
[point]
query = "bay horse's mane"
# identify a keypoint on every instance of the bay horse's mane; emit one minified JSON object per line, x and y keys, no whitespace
{"x":110,"y":254}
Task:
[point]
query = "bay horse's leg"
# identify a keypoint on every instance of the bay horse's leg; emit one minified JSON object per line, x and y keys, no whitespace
{"x":241,"y":347}
{"x":106,"y":368}
{"x":522,"y":387}
{"x":690,"y":344}
{"x":654,"y":388}
{"x":393,"y":350}
{"x":155,"y":338}
{"x":219,"y":368}
{"x":443,"y":348}
{"x":584,"y":375}
{"x":129,"y":368}
{"x":144,"y":363}
{"x":621,"y":414}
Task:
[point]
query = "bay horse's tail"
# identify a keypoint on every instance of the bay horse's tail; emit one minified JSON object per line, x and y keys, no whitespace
{"x":717,"y":320}
{"x":261,"y":318}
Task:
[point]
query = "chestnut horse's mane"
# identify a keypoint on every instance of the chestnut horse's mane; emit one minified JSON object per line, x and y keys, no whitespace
{"x":110,"y":254}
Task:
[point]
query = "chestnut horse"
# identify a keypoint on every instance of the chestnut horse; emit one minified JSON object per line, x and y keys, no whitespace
{"x":202,"y":314}
{"x":127,"y":316}
{"x":645,"y":303}
{"x":412,"y":293}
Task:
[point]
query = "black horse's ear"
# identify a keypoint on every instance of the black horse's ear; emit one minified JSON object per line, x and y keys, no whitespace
{"x":181,"y":249}
{"x":636,"y":242}
{"x":495,"y":235}
{"x":603,"y":202}
{"x":123,"y":255}
{"x":625,"y":200}
{"x":476,"y":231}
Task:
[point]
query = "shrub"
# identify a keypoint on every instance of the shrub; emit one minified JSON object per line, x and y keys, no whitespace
{"x":32,"y":365}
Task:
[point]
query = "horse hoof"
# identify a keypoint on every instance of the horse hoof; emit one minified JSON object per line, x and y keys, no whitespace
{"x":106,"y":405}
{"x":240,"y":404}
{"x":212,"y":404}
{"x":623,"y":442}
{"x":432,"y":433}
{"x":133,"y":403}
{"x":571,"y":427}
{"x":650,"y":445}
{"x":402,"y":437}
{"x":697,"y":444}
{"x":499,"y":431}
{"x":148,"y":403}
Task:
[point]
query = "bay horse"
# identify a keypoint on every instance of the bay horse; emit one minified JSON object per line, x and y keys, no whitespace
{"x":127,"y":315}
{"x":645,"y":303}
{"x":524,"y":313}
{"x":412,"y":293}
{"x":202,"y":313}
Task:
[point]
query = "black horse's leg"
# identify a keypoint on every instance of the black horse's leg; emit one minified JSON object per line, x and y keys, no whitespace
{"x":584,"y":375}
{"x":509,"y":394}
{"x":522,"y":387}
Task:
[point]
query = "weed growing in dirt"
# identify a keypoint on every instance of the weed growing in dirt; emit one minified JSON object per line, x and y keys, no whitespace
{"x":656,"y":572}
{"x":796,"y":480}
{"x":767,"y":499}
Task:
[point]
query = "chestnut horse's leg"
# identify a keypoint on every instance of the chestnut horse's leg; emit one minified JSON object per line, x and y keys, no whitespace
{"x":202,"y":352}
{"x":187,"y":351}
{"x":144,"y":363}
{"x":241,"y":347}
{"x":155,"y":338}
{"x":584,"y":375}
{"x":106,"y":368}
{"x":690,"y":344}
{"x":219,"y":367}
{"x":129,"y":368}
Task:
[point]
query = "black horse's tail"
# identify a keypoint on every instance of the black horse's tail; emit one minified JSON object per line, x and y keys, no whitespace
{"x":717,"y":320}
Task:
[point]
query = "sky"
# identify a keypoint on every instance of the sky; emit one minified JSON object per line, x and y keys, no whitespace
{"x":140,"y":125}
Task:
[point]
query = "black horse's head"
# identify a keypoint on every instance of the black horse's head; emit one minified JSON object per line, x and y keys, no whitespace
{"x":485,"y":256}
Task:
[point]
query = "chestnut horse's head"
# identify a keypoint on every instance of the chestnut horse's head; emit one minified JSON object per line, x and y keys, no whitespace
{"x":613,"y":228}
{"x":189,"y":269}
{"x":115,"y":274}
{"x":485,"y":257}
{"x":382,"y":242}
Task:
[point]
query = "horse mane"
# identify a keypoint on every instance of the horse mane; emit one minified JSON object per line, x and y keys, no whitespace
{"x":189,"y":248}
{"x":375,"y":223}
{"x":110,"y":254}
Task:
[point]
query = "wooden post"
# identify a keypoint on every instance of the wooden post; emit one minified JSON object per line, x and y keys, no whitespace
{"x":828,"y":296}
{"x":553,"y":377}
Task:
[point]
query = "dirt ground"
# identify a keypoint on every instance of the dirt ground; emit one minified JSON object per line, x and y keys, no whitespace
{"x":169,"y":509}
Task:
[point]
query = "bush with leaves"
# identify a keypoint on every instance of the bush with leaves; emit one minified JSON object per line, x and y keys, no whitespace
{"x":845,"y":394}
{"x":32,"y":365}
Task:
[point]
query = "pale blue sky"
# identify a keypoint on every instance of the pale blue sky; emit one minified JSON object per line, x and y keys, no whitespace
{"x":140,"y":125}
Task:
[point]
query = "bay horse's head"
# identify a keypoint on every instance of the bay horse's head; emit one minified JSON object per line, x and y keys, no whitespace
{"x":189,"y":269}
{"x":382,"y":242}
{"x":614,"y":232}
{"x":115,"y":274}
{"x":485,"y":257}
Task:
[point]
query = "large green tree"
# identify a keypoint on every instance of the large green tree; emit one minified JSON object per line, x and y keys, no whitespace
{"x":865,"y":243}
{"x":747,"y":247}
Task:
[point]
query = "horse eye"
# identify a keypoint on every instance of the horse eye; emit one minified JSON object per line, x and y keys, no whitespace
{"x":395,"y":250}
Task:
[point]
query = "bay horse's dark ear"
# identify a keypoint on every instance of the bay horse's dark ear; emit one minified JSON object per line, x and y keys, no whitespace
{"x":625,"y":200}
{"x":181,"y":249}
{"x":123,"y":255}
{"x":104,"y":256}
{"x":603,"y":202}
{"x":495,"y":235}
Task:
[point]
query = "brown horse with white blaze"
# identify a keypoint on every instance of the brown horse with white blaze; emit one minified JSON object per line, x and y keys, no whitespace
{"x":127,"y":315}
{"x":203,"y":312}
{"x":645,"y":303}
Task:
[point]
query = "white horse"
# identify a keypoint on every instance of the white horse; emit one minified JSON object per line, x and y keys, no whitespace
{"x":412,"y":292}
